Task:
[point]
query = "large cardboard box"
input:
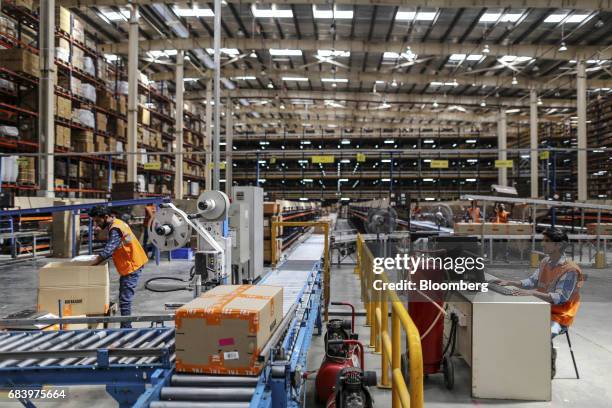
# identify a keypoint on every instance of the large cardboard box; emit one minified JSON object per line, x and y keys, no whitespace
{"x":63,"y":19}
{"x":224,"y":330}
{"x":61,"y":232}
{"x":599,"y":229}
{"x":519,"y":228}
{"x":19,"y":60}
{"x":83,"y":289}
{"x":493,"y":228}
{"x":465,"y":228}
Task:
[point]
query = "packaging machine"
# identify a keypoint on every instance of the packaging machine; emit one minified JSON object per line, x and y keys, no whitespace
{"x":137,"y":365}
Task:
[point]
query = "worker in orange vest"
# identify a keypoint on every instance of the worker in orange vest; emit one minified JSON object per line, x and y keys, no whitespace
{"x":557,"y":281}
{"x":128,"y":256}
{"x":473,"y":213}
{"x":501,"y":215}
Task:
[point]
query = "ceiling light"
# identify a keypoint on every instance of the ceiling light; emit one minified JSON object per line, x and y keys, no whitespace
{"x":562,"y":47}
{"x":278,"y":52}
{"x":330,"y":12}
{"x":514,"y":80}
{"x":297,"y":79}
{"x":394,"y":83}
{"x":486,"y":49}
{"x":474,"y":57}
{"x":272,"y":12}
{"x":270,"y":85}
{"x":333,"y":53}
{"x":193,"y":12}
{"x":228,"y":51}
{"x":244,"y":78}
{"x":457,"y":57}
{"x":282,"y":106}
{"x":339,"y":80}
{"x":483,"y":103}
{"x":435,"y":104}
{"x":555,"y":18}
{"x":411,"y":15}
{"x":540,"y":101}
{"x":576,"y":18}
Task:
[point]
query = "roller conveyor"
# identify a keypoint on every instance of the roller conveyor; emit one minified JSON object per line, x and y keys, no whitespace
{"x":137,"y":365}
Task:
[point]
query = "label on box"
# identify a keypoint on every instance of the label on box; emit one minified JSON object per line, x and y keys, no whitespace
{"x":231,"y":355}
{"x":227,"y":341}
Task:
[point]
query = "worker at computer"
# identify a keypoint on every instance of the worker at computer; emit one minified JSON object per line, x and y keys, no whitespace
{"x":557,"y":281}
{"x":473,"y":213}
{"x":501,"y":215}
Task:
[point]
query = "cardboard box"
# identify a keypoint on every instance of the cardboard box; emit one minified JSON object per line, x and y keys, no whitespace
{"x":599,"y":229}
{"x":61,"y":232}
{"x":519,"y":228}
{"x":492,"y":228}
{"x":101,"y":122}
{"x":63,"y":19}
{"x":224,"y":330}
{"x":465,"y":228}
{"x":82,"y":288}
{"x":19,"y":60}
{"x":271,"y":208}
{"x":144,"y":116}
{"x":63,"y":107}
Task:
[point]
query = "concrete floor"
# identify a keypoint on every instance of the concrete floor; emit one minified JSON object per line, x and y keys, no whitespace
{"x":591,"y":335}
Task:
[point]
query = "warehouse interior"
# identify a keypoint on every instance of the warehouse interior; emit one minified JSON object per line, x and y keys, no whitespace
{"x":216,"y":204}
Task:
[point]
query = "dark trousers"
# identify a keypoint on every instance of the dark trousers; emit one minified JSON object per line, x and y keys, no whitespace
{"x":127,"y":288}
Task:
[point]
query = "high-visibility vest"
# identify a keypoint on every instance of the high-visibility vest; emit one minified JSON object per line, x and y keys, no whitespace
{"x":502,"y":217}
{"x":474,"y":214}
{"x":129,"y":256}
{"x":563,"y":313}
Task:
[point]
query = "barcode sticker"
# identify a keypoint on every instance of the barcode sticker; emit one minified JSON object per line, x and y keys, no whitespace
{"x":231,"y":355}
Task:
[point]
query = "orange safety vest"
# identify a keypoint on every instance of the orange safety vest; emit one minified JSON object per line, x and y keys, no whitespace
{"x":563,"y":313}
{"x":502,"y":217}
{"x":474,"y":214}
{"x":130,"y":256}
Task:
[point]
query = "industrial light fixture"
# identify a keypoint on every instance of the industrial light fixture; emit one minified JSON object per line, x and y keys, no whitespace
{"x":270,"y":85}
{"x":394,"y":83}
{"x":435,"y":104}
{"x":562,"y":47}
{"x":483,"y":103}
{"x":540,"y":101}
{"x":486,"y":49}
{"x":514,"y":80}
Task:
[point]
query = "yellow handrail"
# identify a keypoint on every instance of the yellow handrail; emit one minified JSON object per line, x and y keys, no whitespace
{"x":389,"y":345}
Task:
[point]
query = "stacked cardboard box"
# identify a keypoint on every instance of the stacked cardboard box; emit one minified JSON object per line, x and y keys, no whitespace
{"x":101,"y":122}
{"x":63,"y":107}
{"x":101,"y":144}
{"x":224,"y":330}
{"x":83,"y":141}
{"x":272,"y":214}
{"x":20,"y":60}
{"x":27,"y":170}
{"x":106,"y":100}
{"x":61,"y":233}
{"x":81,"y":288}
{"x":144,"y":116}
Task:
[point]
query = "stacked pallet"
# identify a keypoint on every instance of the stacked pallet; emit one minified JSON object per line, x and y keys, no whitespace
{"x":272,"y":214}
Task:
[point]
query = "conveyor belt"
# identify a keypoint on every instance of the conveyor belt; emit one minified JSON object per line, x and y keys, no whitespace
{"x":298,"y":277}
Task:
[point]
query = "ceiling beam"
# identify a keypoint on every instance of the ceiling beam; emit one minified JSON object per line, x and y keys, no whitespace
{"x":325,"y":112}
{"x":544,"y":51}
{"x":543,"y":83}
{"x":600,"y":5}
{"x":268,"y":94}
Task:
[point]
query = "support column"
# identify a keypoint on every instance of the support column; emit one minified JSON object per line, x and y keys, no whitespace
{"x":217,"y":88}
{"x":208,"y":133}
{"x":46,"y":100}
{"x":581,"y":90}
{"x":229,"y":136}
{"x":132,"y":111}
{"x":502,"y":146}
{"x":533,"y":142}
{"x":179,"y":192}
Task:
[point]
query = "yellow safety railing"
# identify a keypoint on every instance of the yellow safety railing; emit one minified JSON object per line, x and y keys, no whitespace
{"x":326,"y":257}
{"x":389,"y":344}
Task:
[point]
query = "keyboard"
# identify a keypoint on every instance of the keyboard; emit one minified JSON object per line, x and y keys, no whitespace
{"x":504,"y":290}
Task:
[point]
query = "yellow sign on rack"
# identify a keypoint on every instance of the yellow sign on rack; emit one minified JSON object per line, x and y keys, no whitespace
{"x":322,"y":159}
{"x":439,"y":164}
{"x":361,"y":157}
{"x":504,"y":164}
{"x":544,"y":155}
{"x":222,"y":165}
{"x":272,"y":160}
{"x":152,"y":166}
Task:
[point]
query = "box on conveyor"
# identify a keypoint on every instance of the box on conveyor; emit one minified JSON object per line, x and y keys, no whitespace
{"x":83,"y":289}
{"x":224,"y":330}
{"x":599,"y":229}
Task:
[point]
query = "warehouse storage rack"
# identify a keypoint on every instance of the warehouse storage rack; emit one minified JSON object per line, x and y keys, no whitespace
{"x":93,"y":174}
